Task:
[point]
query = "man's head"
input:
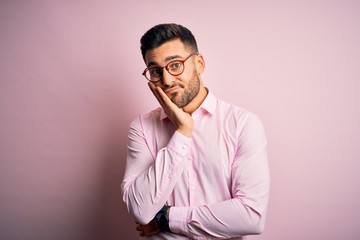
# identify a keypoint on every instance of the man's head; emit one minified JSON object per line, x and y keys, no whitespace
{"x":174,"y":64}
{"x":162,"y":33}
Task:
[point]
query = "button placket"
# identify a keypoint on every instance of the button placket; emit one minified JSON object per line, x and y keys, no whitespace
{"x":192,"y":177}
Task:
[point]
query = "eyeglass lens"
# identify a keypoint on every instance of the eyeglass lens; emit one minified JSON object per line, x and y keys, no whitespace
{"x":175,"y":68}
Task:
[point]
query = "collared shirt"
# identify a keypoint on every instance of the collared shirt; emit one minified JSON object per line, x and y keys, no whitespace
{"x":216,"y":182}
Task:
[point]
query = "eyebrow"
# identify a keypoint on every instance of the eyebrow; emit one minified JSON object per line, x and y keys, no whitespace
{"x":167,"y":59}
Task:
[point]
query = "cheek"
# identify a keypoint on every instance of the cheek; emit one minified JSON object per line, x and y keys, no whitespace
{"x":187,"y":77}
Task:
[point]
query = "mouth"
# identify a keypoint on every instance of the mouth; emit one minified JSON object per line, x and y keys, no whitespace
{"x":172,"y":89}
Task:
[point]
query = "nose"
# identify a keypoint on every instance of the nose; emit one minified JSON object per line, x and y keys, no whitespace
{"x":167,"y":79}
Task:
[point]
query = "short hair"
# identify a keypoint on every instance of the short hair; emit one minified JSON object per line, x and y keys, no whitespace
{"x":162,"y":33}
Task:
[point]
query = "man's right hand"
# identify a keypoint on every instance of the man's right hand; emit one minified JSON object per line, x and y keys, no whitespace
{"x":148,"y":229}
{"x":183,"y":121}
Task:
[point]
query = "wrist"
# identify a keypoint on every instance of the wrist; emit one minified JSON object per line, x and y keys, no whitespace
{"x":186,"y":131}
{"x":162,"y":219}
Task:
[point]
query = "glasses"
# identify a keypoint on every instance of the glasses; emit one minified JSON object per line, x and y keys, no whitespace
{"x":175,"y":68}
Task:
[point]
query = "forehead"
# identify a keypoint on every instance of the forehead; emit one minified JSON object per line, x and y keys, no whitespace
{"x":165,"y":51}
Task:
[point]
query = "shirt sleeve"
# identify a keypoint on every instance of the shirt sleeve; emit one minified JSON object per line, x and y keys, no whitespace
{"x":149,"y":179}
{"x":245,"y":212}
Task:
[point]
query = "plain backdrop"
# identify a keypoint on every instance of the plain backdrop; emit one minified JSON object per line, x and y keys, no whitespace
{"x":70,"y":83}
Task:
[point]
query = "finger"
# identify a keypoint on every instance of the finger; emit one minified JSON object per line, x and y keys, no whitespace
{"x":156,"y":94}
{"x":159,"y":93}
{"x":151,"y":86}
{"x":165,"y":99}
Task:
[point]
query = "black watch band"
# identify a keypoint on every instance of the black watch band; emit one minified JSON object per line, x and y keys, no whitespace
{"x":162,"y":219}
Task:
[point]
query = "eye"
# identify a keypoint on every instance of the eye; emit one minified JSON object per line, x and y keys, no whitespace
{"x":155,"y":71}
{"x":175,"y":65}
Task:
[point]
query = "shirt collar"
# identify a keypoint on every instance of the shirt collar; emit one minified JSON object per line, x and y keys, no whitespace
{"x":209,"y":105}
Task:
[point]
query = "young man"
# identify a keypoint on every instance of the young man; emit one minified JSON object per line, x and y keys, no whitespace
{"x":196,"y":166}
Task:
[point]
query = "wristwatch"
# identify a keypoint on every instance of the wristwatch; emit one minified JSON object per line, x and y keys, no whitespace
{"x":162,"y":219}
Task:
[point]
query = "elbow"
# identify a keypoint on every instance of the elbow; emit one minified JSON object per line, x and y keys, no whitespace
{"x":258,"y":229}
{"x":139,"y":214}
{"x":256,"y":225}
{"x":141,"y":217}
{"x":252,"y":223}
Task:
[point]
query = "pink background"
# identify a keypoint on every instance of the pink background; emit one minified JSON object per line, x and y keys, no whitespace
{"x":70,"y":83}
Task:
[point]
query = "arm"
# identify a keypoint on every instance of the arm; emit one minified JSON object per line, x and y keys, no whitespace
{"x":148,"y":180}
{"x":244,"y":214}
{"x":150,"y":177}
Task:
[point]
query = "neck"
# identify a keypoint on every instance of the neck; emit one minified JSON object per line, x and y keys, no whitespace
{"x":197,"y":101}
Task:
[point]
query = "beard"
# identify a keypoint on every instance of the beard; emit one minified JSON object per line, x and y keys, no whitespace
{"x":181,"y":99}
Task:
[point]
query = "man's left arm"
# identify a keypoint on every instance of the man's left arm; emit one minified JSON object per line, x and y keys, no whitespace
{"x":245,"y":213}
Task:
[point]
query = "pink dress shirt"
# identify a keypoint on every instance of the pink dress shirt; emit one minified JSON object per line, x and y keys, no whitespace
{"x":217,"y":181}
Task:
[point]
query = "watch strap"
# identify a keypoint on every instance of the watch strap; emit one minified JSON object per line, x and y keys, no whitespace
{"x":162,"y":219}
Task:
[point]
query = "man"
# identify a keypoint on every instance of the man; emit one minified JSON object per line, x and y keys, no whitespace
{"x":196,"y":166}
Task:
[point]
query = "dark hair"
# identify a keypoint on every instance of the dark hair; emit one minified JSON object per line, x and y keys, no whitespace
{"x":162,"y":33}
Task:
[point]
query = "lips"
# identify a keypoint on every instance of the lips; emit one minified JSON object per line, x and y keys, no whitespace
{"x":172,"y":89}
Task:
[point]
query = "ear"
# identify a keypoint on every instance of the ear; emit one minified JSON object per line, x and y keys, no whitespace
{"x":200,"y":63}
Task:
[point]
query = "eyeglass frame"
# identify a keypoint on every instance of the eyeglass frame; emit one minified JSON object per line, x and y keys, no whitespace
{"x":166,"y":67}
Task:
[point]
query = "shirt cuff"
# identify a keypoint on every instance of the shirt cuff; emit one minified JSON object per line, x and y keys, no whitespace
{"x":178,"y":220}
{"x":179,"y":143}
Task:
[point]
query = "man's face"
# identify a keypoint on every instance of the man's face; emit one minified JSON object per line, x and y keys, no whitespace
{"x":180,"y":89}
